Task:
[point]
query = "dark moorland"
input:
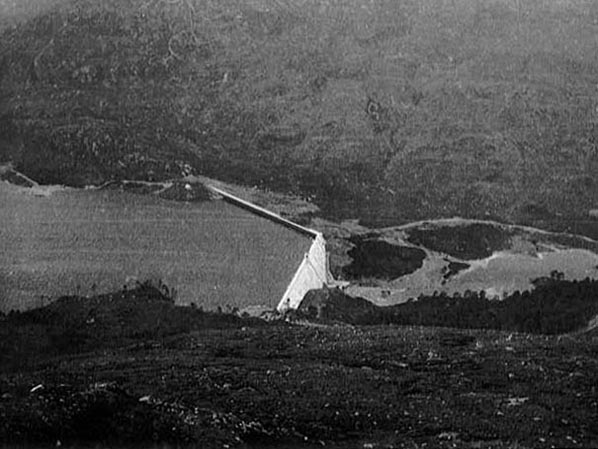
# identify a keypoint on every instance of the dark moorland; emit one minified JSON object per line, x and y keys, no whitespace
{"x":390,"y":112}
{"x":131,"y":368}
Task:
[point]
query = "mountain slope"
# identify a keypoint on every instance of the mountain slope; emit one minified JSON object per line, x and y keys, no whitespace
{"x":387,"y":111}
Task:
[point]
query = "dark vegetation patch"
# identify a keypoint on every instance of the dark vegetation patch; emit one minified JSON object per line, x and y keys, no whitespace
{"x":554,"y":306}
{"x":75,"y":324}
{"x":375,"y":258}
{"x":468,"y":242}
{"x":564,"y":238}
{"x":333,"y":304}
{"x":452,"y":268}
{"x":53,"y":155}
{"x":106,"y":414}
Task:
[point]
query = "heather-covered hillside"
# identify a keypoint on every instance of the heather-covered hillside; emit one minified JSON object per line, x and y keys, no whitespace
{"x":132,"y":369}
{"x":387,"y":111}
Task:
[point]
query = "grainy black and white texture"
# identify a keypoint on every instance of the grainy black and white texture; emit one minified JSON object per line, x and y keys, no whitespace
{"x":374,"y":122}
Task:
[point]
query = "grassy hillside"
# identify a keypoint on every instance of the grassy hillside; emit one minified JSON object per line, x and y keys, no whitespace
{"x":387,"y":111}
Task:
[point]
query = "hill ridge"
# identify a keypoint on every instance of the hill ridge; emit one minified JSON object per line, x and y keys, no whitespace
{"x":390,"y":113}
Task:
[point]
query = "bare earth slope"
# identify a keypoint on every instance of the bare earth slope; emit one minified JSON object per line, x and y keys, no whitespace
{"x":388,"y":111}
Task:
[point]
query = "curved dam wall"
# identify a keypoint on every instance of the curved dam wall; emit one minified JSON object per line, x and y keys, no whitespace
{"x":312,"y":273}
{"x":91,"y":241}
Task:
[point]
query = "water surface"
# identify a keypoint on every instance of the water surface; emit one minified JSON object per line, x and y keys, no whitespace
{"x":87,"y":241}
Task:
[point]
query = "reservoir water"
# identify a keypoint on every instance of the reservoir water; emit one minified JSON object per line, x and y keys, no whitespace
{"x":92,"y":241}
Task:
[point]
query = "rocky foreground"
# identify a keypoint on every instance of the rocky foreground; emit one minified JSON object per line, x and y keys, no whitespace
{"x":146,"y":372}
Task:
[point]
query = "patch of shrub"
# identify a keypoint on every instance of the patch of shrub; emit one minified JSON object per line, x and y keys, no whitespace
{"x":474,"y":241}
{"x":333,"y":304}
{"x":382,"y":260}
{"x":74,"y":324}
{"x":554,"y":306}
